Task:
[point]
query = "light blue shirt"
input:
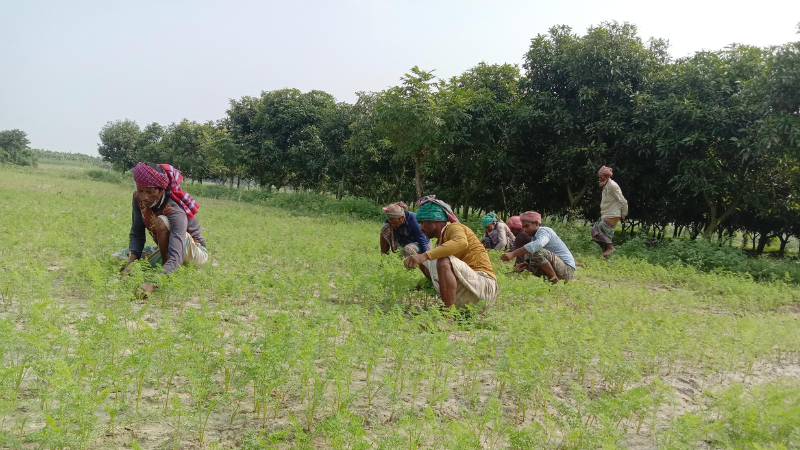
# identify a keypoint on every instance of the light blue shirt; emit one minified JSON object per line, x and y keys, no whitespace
{"x":546,"y":238}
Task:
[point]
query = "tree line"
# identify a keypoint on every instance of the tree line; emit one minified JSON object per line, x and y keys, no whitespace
{"x":706,"y":144}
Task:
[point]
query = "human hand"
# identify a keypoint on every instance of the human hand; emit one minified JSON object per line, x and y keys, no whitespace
{"x":413,"y":261}
{"x":519,"y":268}
{"x":146,"y":289}
{"x":507,"y":256}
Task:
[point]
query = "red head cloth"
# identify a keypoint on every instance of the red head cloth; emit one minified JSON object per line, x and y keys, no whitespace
{"x":531,"y":216}
{"x":514,"y":222}
{"x":605,"y":170}
{"x":146,"y":177}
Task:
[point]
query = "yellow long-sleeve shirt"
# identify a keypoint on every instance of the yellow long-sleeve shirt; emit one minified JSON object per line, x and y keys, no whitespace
{"x":458,"y":240}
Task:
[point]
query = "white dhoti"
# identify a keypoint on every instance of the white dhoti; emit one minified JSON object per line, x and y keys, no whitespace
{"x":473,"y":285}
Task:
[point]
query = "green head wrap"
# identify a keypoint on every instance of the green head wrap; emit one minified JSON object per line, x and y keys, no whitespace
{"x":431,"y":212}
{"x":489,"y":219}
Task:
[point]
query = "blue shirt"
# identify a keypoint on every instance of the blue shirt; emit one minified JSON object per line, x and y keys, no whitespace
{"x":546,"y":238}
{"x":408,"y":232}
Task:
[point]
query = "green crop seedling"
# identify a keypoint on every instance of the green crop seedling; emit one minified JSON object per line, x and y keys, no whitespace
{"x":299,"y":334}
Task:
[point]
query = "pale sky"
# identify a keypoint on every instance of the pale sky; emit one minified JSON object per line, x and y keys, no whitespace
{"x":67,"y":68}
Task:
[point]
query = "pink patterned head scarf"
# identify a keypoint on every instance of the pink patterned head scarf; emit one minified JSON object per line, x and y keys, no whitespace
{"x":514,"y":222}
{"x":147,"y":177}
{"x":605,"y":170}
{"x":530,"y":216}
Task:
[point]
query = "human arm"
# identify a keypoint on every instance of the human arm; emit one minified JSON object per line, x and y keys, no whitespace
{"x":508,"y":256}
{"x":502,"y":237}
{"x":137,"y":236}
{"x":416,"y":233}
{"x":623,"y":203}
{"x":178,"y":222}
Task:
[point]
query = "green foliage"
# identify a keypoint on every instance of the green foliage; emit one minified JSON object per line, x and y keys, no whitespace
{"x":14,"y":148}
{"x":709,"y":256}
{"x":765,"y":416}
{"x":300,"y":334}
{"x":52,"y":157}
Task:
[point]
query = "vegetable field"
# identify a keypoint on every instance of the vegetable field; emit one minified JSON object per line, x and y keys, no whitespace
{"x":298,"y":334}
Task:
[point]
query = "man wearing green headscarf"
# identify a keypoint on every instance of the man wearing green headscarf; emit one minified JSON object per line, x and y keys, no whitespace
{"x":459,"y":265}
{"x":496,"y":234}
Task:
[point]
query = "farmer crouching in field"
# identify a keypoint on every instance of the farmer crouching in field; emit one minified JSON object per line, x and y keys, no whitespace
{"x":168,"y":214}
{"x":613,"y":208}
{"x":546,"y":254}
{"x":459,"y":265}
{"x":520,"y":238}
{"x":496,"y":234}
{"x":401,"y":231}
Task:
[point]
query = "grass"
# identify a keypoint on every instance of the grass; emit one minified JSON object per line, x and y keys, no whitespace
{"x":299,"y":334}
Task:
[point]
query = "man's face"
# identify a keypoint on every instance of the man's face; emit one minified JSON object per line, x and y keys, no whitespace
{"x":603,"y":179}
{"x":530,"y":228}
{"x":428,"y":229}
{"x":489,"y":228}
{"x":515,"y":231}
{"x":396,"y":221}
{"x":150,"y":195}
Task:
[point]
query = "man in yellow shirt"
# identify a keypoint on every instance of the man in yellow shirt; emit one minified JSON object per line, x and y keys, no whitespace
{"x":459,"y":265}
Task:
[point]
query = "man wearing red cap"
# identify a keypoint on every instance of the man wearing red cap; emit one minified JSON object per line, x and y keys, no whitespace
{"x":168,"y":214}
{"x":520,"y":238}
{"x":546,"y":253}
{"x":613,"y":208}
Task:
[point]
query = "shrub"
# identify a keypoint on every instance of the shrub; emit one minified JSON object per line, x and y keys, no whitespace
{"x":707,"y":256}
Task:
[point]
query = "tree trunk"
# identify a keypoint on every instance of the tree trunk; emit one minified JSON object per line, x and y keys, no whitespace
{"x":782,"y":250}
{"x":713,"y":220}
{"x":418,"y":175}
{"x":575,"y":199}
{"x":466,"y":204}
{"x":762,"y":242}
{"x":505,"y":206}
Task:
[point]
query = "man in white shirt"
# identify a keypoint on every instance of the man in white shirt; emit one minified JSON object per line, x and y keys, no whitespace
{"x":613,"y":208}
{"x":546,"y":254}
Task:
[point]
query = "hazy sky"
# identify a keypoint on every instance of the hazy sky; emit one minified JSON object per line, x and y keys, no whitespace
{"x":67,"y":68}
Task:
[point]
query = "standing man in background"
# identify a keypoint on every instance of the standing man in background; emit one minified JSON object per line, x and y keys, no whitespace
{"x":613,"y":208}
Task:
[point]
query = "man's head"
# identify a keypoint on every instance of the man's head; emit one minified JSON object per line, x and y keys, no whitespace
{"x":488,"y":222}
{"x":531,"y":221}
{"x":432,"y":229}
{"x":151,"y":181}
{"x":603,"y":175}
{"x":515,"y":224}
{"x":432,"y":219}
{"x":395,"y":213}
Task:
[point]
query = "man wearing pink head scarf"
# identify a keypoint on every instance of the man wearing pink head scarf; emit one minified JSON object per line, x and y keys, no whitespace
{"x":163,"y":210}
{"x":613,"y":208}
{"x":546,"y":254}
{"x":520,"y":238}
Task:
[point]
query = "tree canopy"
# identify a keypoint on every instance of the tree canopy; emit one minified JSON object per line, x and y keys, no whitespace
{"x":708,"y":143}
